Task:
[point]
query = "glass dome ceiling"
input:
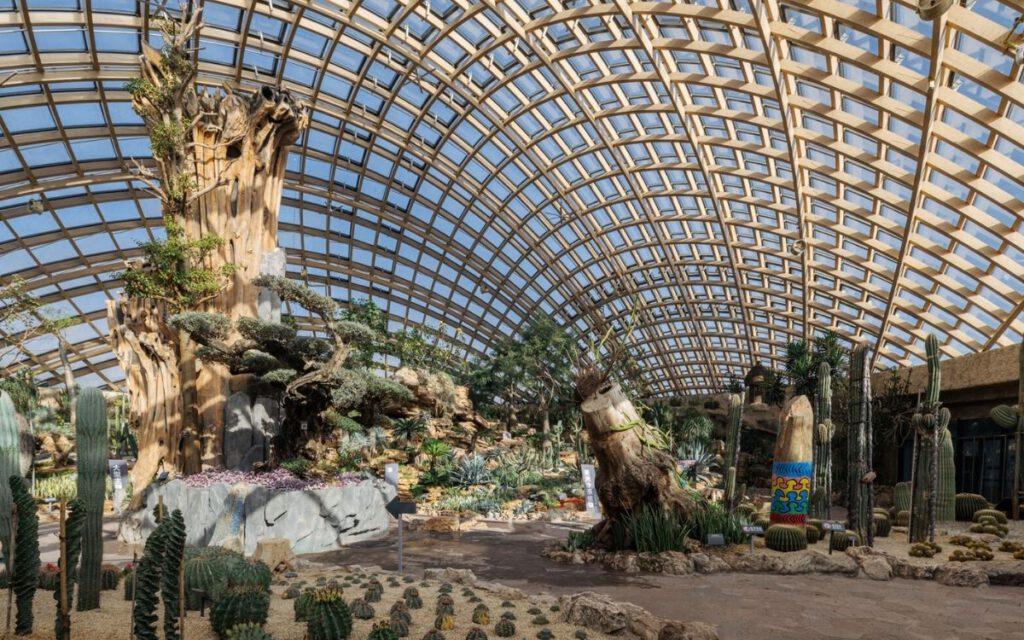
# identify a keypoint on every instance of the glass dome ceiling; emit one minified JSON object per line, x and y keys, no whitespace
{"x":753,"y":172}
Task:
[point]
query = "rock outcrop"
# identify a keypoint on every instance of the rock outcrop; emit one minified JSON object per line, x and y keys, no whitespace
{"x":239,"y":516}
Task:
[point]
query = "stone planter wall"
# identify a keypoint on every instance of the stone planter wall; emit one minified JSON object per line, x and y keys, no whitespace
{"x":238,"y":516}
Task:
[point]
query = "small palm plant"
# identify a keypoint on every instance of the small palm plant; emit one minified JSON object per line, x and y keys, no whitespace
{"x":435,"y":450}
{"x":409,"y":430}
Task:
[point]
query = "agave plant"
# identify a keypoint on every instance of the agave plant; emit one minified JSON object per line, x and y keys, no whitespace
{"x":469,"y":471}
{"x":703,"y":459}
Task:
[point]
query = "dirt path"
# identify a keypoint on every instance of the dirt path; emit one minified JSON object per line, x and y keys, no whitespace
{"x":760,"y":607}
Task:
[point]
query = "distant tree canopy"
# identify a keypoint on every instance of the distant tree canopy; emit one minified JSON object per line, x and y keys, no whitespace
{"x":803,"y":361}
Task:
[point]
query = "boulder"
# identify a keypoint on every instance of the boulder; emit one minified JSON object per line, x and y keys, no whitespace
{"x":960,"y":574}
{"x":1006,"y":574}
{"x":876,"y":568}
{"x":601,"y":613}
{"x":687,"y":631}
{"x":249,"y":425}
{"x":239,"y":516}
{"x":407,"y":377}
{"x":447,"y":574}
{"x":276,"y":553}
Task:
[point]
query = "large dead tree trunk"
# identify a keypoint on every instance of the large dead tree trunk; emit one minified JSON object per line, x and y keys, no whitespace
{"x":631,"y":473}
{"x":222,"y":176}
{"x":147,"y":349}
{"x":240,"y":158}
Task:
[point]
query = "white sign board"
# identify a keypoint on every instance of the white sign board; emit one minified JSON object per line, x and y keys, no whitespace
{"x":833,"y":526}
{"x":391,"y":474}
{"x":118,"y":470}
{"x":589,"y":474}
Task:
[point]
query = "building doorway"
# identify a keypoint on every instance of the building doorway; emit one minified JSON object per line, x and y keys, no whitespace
{"x":984,"y":459}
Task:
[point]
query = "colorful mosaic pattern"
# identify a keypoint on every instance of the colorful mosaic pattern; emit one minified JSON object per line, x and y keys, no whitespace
{"x":791,"y":491}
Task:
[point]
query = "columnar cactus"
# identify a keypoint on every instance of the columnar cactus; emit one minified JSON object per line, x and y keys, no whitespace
{"x":25,"y":567}
{"x":9,"y":463}
{"x":1013,"y":418}
{"x":821,"y":491}
{"x":901,"y":496}
{"x":147,"y":586}
{"x":732,"y":449}
{"x":930,"y":420}
{"x":91,"y":441}
{"x":945,"y":489}
{"x":71,"y":549}
{"x":170,"y":574}
{"x":860,"y":493}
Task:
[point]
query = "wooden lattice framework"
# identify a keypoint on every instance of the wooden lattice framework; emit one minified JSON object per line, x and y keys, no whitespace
{"x":755,"y":171}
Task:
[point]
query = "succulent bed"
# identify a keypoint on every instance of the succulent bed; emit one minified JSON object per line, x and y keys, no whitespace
{"x":110,"y":621}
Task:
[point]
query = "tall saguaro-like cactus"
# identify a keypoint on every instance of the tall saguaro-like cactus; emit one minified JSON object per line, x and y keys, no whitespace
{"x":732,"y":449}
{"x":860,"y":489}
{"x":24,"y":574}
{"x":1013,"y":418}
{"x":929,"y":422}
{"x":92,"y":442}
{"x":9,"y":464}
{"x":821,"y":493}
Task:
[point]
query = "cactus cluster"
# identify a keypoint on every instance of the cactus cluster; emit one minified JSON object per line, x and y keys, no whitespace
{"x":995,"y":514}
{"x":785,"y":537}
{"x":988,"y":524}
{"x":328,"y":615}
{"x":924,"y":549}
{"x":91,"y":442}
{"x":382,"y":631}
{"x":974,"y":554}
{"x":1011,"y":547}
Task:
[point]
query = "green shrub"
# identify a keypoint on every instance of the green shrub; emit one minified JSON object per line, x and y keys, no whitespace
{"x":579,"y":540}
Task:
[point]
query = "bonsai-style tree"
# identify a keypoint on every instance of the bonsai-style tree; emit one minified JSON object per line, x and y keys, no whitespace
{"x":317,"y":381}
{"x":217,"y":169}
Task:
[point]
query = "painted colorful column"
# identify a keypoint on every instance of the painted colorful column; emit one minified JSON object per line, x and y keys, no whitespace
{"x":792,"y":467}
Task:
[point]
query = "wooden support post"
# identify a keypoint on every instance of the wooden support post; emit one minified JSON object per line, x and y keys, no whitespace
{"x":10,"y":568}
{"x":65,"y":618}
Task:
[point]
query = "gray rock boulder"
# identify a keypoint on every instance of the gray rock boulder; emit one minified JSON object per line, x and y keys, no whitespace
{"x":960,"y":574}
{"x":240,"y":515}
{"x":249,"y":426}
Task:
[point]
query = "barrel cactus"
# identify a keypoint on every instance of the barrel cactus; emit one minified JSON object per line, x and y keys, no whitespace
{"x":882,"y":525}
{"x":110,"y":577}
{"x":205,"y":576}
{"x":9,"y":461}
{"x":505,"y":628}
{"x":92,"y":442}
{"x":476,"y":633}
{"x":841,"y":541}
{"x":967,"y":504}
{"x":374,"y":591}
{"x":383,"y":631}
{"x":433,"y":634}
{"x":444,"y":622}
{"x":361,"y":609}
{"x":785,"y":537}
{"x":25,"y":567}
{"x":399,"y":625}
{"x":249,"y":573}
{"x":445,"y":604}
{"x":813,"y":534}
{"x":481,"y":616}
{"x":302,"y":604}
{"x":903,"y":519}
{"x":329,"y":617}
{"x":248,"y":631}
{"x":239,"y":605}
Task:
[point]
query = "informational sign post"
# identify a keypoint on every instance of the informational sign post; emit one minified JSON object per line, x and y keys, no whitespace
{"x":118,"y":470}
{"x":589,"y":475}
{"x":752,"y":530}
{"x":391,"y":474}
{"x":397,"y":509}
{"x":832,"y":527}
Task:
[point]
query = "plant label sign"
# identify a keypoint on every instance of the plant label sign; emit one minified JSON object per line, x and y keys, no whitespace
{"x":588,"y":475}
{"x":391,"y":474}
{"x":830,"y":525}
{"x":118,"y":469}
{"x":753,"y":529}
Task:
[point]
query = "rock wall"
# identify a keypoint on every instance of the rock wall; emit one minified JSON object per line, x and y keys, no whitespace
{"x":238,"y":516}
